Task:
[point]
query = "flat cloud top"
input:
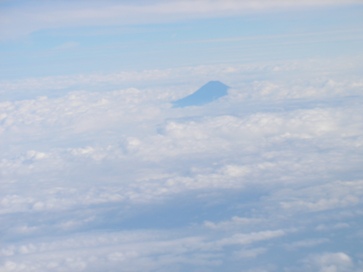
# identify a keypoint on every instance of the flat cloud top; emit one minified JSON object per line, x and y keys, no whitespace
{"x":114,"y":178}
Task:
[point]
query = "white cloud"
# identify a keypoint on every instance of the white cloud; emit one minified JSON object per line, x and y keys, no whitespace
{"x":244,"y":239}
{"x":266,"y":169}
{"x":236,"y":223}
{"x":287,"y":79}
{"x":249,"y":253}
{"x":326,"y":197}
{"x":331,"y":262}
{"x":132,"y":250}
{"x":306,"y":243}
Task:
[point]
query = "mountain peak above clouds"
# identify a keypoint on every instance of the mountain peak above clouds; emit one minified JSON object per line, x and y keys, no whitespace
{"x":204,"y":95}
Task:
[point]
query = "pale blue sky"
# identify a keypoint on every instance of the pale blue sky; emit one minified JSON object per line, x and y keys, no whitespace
{"x":39,"y":40}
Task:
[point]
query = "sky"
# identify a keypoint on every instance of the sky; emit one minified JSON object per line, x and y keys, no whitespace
{"x":99,"y":172}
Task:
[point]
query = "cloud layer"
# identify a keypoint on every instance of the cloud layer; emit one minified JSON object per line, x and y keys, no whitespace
{"x":103,"y":179}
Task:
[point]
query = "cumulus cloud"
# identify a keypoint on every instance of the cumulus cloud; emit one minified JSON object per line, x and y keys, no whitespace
{"x":102,"y":179}
{"x":339,"y":261}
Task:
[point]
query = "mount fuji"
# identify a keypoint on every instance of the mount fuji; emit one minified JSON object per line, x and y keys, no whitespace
{"x":209,"y":92}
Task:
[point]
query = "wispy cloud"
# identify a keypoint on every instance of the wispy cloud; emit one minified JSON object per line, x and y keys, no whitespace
{"x":25,"y":18}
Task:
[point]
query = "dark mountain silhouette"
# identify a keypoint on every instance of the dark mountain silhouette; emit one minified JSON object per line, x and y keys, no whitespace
{"x":206,"y":94}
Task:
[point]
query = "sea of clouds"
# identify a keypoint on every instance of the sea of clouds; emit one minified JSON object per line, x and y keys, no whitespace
{"x":100,"y":173}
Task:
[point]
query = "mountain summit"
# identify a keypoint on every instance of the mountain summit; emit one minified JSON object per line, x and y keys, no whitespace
{"x":206,"y":94}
